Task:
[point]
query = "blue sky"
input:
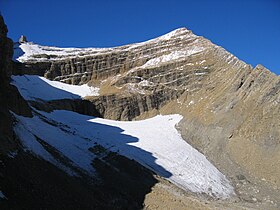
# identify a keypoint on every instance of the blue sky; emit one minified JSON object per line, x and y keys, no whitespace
{"x":250,"y":29}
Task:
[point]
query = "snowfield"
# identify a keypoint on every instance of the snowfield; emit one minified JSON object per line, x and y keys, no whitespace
{"x":155,"y":143}
{"x":33,"y":87}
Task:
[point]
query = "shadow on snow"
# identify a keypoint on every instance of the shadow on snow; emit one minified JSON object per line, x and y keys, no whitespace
{"x":32,"y":87}
{"x":124,"y":181}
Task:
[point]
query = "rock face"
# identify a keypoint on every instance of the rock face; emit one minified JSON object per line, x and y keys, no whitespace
{"x":231,"y":110}
{"x":76,"y":105}
{"x":236,"y":125}
{"x":10,"y":99}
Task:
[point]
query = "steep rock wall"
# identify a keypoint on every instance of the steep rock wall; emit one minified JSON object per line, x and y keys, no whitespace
{"x":10,"y":99}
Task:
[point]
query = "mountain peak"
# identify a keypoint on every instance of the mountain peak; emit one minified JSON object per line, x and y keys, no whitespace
{"x":180,"y":30}
{"x":175,"y":33}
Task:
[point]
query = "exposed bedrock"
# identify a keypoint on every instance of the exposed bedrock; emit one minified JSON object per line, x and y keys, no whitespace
{"x":128,"y":108}
{"x":76,"y":105}
{"x":236,"y":125}
{"x":10,"y":99}
{"x":138,"y":77}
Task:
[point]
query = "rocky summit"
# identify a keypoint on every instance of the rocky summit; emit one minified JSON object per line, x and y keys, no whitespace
{"x":225,"y":153}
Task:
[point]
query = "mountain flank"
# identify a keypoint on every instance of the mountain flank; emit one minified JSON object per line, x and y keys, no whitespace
{"x":230,"y":113}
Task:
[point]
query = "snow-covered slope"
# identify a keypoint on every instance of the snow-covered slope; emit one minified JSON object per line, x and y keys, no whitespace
{"x":29,"y":50}
{"x":155,"y":143}
{"x":34,"y":87}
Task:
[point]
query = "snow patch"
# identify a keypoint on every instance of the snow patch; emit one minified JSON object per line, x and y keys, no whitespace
{"x":175,"y":33}
{"x":180,"y":33}
{"x":30,"y":51}
{"x":200,"y":73}
{"x":145,"y":83}
{"x":172,"y":56}
{"x":33,"y":87}
{"x":191,"y":102}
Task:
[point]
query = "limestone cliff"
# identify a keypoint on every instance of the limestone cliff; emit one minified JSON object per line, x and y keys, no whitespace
{"x":136,"y":78}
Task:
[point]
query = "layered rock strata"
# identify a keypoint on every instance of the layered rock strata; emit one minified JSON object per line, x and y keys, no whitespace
{"x":136,"y":78}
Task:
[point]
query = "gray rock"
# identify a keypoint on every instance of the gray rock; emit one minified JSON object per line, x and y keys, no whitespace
{"x":22,"y":39}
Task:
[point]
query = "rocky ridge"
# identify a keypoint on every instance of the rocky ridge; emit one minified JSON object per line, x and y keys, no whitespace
{"x":139,"y":77}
